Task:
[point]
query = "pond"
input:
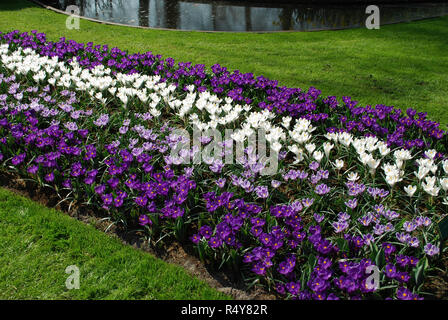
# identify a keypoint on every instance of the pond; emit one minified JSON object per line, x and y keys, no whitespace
{"x":245,"y":15}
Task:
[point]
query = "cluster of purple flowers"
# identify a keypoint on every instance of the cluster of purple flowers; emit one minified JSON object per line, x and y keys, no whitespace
{"x":289,"y":235}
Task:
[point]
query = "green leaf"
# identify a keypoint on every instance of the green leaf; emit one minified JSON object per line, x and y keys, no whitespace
{"x":342,"y":244}
{"x":311,"y":260}
{"x":380,"y":259}
{"x":420,"y":272}
{"x":443,"y":228}
{"x":374,"y":252}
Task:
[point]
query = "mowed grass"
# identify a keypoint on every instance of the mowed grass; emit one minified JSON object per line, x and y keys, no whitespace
{"x":37,"y":244}
{"x":404,"y":65}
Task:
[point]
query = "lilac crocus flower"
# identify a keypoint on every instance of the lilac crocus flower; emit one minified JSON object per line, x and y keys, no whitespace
{"x":262,"y":192}
{"x":431,"y":249}
{"x":314,"y":165}
{"x":275,"y":184}
{"x":221,"y":182}
{"x":368,"y":239}
{"x":216,"y":166}
{"x":343,"y":216}
{"x":413,"y":242}
{"x":409,"y":226}
{"x":340,"y":226}
{"x":322,"y":189}
{"x":71,"y":126}
{"x":102,"y":120}
{"x":352,"y":203}
{"x":403,"y":237}
{"x":307,"y":202}
{"x":318,"y":217}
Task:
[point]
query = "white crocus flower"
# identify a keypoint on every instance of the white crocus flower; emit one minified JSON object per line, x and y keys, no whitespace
{"x":430,"y":153}
{"x":431,"y":190}
{"x":318,"y":155}
{"x":310,"y":147}
{"x":410,"y":190}
{"x":353,"y":176}
{"x":276,"y":146}
{"x":444,"y":184}
{"x":338,"y":164}
{"x":445,"y":166}
{"x":297,"y":151}
{"x":430,"y":181}
{"x":393,"y":179}
{"x":327,"y":148}
{"x":384,"y":150}
{"x":373,"y":164}
{"x":286,"y":122}
{"x":421,"y":173}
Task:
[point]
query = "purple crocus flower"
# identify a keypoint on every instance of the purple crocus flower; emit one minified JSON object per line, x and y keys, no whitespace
{"x":49,"y":177}
{"x":215,"y":242}
{"x":100,"y":189}
{"x":389,"y":248}
{"x":293,"y":288}
{"x":206,"y":232}
{"x":404,"y":294}
{"x":390,"y":270}
{"x":195,"y":238}
{"x":144,"y":220}
{"x":16,"y":160}
{"x":33,"y":169}
{"x":67,"y":184}
{"x":318,"y":285}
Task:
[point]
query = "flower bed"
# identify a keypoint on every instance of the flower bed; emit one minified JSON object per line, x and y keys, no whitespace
{"x":357,"y":189}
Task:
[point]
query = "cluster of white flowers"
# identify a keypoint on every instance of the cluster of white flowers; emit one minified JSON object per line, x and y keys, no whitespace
{"x":427,"y":165}
{"x":260,"y":121}
{"x":97,"y":82}
{"x":300,"y":134}
{"x":205,"y":110}
{"x":393,"y":173}
{"x":210,"y":110}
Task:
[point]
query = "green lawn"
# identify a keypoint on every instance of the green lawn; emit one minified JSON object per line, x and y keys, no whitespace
{"x":37,"y":244}
{"x":404,"y":65}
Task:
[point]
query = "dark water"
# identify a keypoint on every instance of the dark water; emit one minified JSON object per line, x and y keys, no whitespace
{"x":244,"y":15}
